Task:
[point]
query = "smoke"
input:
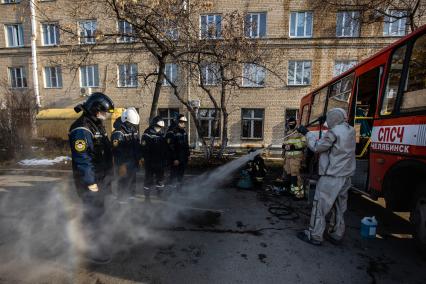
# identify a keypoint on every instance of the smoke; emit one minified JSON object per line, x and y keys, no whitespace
{"x":41,"y":237}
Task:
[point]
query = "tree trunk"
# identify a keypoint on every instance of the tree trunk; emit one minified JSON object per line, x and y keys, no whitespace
{"x":224,"y":132}
{"x":207,"y":152}
{"x":157,"y":90}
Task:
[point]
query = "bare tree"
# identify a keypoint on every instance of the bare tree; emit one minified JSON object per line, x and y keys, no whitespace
{"x":17,"y":114}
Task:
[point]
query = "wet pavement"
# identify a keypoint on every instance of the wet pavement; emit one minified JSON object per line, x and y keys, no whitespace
{"x":182,"y":240}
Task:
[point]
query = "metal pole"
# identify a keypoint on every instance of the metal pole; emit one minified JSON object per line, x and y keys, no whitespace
{"x":34,"y":52}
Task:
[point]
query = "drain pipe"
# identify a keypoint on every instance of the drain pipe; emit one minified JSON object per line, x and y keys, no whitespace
{"x":34,"y":52}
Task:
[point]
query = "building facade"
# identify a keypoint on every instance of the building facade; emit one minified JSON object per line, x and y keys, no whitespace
{"x":312,"y":47}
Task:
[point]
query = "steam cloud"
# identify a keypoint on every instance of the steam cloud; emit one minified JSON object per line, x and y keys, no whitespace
{"x":40,"y":235}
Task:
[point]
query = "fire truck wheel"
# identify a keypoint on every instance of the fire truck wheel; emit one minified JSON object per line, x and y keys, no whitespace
{"x":418,"y":217}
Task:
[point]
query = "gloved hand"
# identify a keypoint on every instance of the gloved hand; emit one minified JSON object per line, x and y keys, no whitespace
{"x":322,"y":119}
{"x":302,"y":129}
{"x":93,"y":187}
{"x":122,"y":171}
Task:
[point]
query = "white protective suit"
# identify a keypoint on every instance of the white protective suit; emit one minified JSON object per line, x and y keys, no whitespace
{"x":336,"y":166}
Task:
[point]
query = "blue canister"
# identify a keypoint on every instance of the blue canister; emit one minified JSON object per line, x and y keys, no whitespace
{"x":368,"y":227}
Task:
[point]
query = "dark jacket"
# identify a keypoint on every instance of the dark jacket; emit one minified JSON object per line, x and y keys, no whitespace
{"x":90,"y":150}
{"x":177,"y":140}
{"x":125,"y":145}
{"x":154,"y":148}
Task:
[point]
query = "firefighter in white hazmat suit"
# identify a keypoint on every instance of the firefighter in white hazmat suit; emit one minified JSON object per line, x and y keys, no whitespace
{"x":336,"y":166}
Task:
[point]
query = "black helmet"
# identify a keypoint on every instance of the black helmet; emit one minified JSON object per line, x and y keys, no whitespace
{"x":95,"y":103}
{"x":157,"y":121}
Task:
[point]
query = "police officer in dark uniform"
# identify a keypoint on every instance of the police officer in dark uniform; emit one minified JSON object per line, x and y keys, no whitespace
{"x":92,"y":164}
{"x":127,"y":153}
{"x":154,"y":153}
{"x":177,"y":140}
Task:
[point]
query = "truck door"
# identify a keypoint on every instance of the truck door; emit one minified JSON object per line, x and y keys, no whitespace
{"x":364,"y":107}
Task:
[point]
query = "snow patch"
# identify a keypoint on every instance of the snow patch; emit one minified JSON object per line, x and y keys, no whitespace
{"x":44,"y":162}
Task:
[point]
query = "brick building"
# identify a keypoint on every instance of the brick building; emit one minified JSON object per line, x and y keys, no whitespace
{"x":312,"y":47}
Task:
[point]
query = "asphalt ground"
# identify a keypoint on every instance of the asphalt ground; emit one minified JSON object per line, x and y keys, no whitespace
{"x":181,"y":239}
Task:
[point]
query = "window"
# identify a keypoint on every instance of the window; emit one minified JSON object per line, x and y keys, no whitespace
{"x":210,"y":74}
{"x":255,"y":25}
{"x":340,"y":92}
{"x":252,"y":123}
{"x":17,"y":77}
{"x":305,"y":114}
{"x":395,"y":23}
{"x":341,"y":66}
{"x":128,"y":75}
{"x":125,"y":29}
{"x":10,"y":1}
{"x":211,"y":26}
{"x":414,"y":98}
{"x":14,"y":35}
{"x":299,"y":73}
{"x":301,"y":24}
{"x":87,"y":32}
{"x":171,"y":74}
{"x":168,"y":114}
{"x":393,"y":80}
{"x":89,"y":76}
{"x":53,"y":77}
{"x":208,"y":126}
{"x":347,"y":24}
{"x":50,"y":34}
{"x":253,"y":75}
{"x":318,"y":104}
{"x":170,"y":29}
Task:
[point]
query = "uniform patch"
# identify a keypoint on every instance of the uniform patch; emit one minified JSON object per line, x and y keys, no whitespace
{"x":115,"y":142}
{"x":143,"y":143}
{"x":80,"y":145}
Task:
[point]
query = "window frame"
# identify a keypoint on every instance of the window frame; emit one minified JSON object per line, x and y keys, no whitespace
{"x":247,"y":82}
{"x":390,"y":20}
{"x":59,"y":81}
{"x":86,"y":75}
{"x":403,"y":81}
{"x":205,"y":70}
{"x":314,"y":94}
{"x":209,"y":118}
{"x":85,"y":40}
{"x":252,"y":119}
{"x":23,"y":77}
{"x":168,"y":119}
{"x":395,"y":110}
{"x":304,"y":24}
{"x":125,"y":38}
{"x":295,"y":72}
{"x":17,"y":37}
{"x":342,"y":30}
{"x":133,"y":66}
{"x":218,"y":35}
{"x":174,"y":80}
{"x":341,"y":61}
{"x":56,"y":34}
{"x":248,"y":30}
{"x":10,"y":3}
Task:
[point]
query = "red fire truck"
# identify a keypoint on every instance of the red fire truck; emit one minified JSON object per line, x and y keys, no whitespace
{"x":385,"y":97}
